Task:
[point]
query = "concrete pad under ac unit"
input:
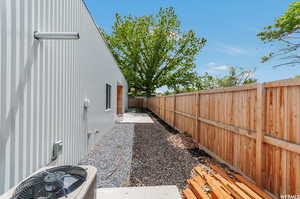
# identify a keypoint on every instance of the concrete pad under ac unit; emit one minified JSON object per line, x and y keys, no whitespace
{"x":151,"y":192}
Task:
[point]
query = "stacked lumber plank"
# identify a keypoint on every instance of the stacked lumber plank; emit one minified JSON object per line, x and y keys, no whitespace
{"x":215,"y":183}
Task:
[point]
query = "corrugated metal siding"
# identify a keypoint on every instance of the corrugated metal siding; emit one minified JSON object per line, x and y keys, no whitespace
{"x":43,"y":84}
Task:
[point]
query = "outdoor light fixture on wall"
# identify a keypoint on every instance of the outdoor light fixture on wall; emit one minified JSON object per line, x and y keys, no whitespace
{"x":56,"y":35}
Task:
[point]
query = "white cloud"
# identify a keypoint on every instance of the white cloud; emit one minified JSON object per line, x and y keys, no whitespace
{"x":231,"y":50}
{"x":222,"y":67}
{"x":215,"y":66}
{"x":211,"y":64}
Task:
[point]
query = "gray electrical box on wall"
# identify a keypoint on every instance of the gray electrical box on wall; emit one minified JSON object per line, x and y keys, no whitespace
{"x":57,"y":149}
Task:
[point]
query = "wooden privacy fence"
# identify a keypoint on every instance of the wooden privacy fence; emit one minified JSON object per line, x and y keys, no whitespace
{"x":254,"y":128}
{"x":135,"y":101}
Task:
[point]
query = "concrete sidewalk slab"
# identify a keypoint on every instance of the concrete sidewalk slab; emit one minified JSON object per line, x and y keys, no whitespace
{"x":135,"y":118}
{"x":151,"y":192}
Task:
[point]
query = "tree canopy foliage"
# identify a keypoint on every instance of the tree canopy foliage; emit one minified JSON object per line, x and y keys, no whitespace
{"x":153,"y":51}
{"x":286,"y":32}
{"x":236,"y":76}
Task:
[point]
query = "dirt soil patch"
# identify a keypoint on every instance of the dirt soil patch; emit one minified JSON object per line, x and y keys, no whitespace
{"x":181,"y":141}
{"x":161,"y":157}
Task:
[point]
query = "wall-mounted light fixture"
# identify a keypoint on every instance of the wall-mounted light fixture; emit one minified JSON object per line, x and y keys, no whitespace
{"x":86,"y":103}
{"x":56,"y":35}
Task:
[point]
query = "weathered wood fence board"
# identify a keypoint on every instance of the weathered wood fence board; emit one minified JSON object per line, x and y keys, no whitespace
{"x":135,"y":102}
{"x":254,"y":128}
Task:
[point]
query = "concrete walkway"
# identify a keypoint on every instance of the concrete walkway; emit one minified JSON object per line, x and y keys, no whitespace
{"x":135,"y":118}
{"x":155,"y":192}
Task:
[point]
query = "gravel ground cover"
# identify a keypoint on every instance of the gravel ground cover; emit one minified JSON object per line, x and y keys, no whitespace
{"x":163,"y":157}
{"x":112,"y":156}
{"x":149,"y":154}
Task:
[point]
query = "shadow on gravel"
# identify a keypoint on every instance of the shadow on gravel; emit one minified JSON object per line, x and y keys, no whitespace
{"x":196,"y":152}
{"x":156,"y":161}
{"x":164,"y":124}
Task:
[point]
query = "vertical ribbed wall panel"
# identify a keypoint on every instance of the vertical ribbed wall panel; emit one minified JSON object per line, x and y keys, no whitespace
{"x":43,"y":84}
{"x":3,"y":105}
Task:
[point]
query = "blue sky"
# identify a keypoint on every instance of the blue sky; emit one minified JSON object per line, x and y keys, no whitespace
{"x":230,"y":26}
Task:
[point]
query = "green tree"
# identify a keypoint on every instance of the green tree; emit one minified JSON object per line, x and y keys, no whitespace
{"x":206,"y":81}
{"x":285,"y":32}
{"x":153,"y":51}
{"x":237,"y":76}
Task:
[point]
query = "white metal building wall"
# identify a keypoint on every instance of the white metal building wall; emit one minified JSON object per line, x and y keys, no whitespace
{"x":43,"y":85}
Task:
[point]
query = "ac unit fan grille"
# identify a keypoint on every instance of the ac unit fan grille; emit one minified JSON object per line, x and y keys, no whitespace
{"x":51,"y":183}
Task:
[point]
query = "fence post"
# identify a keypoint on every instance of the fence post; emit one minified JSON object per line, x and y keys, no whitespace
{"x":174,"y":111}
{"x":197,"y":116}
{"x":161,"y":106}
{"x":165,"y":107}
{"x":259,"y":131}
{"x":285,"y":136}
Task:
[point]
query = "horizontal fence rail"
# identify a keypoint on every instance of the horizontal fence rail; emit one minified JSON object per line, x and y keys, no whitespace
{"x":254,"y":128}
